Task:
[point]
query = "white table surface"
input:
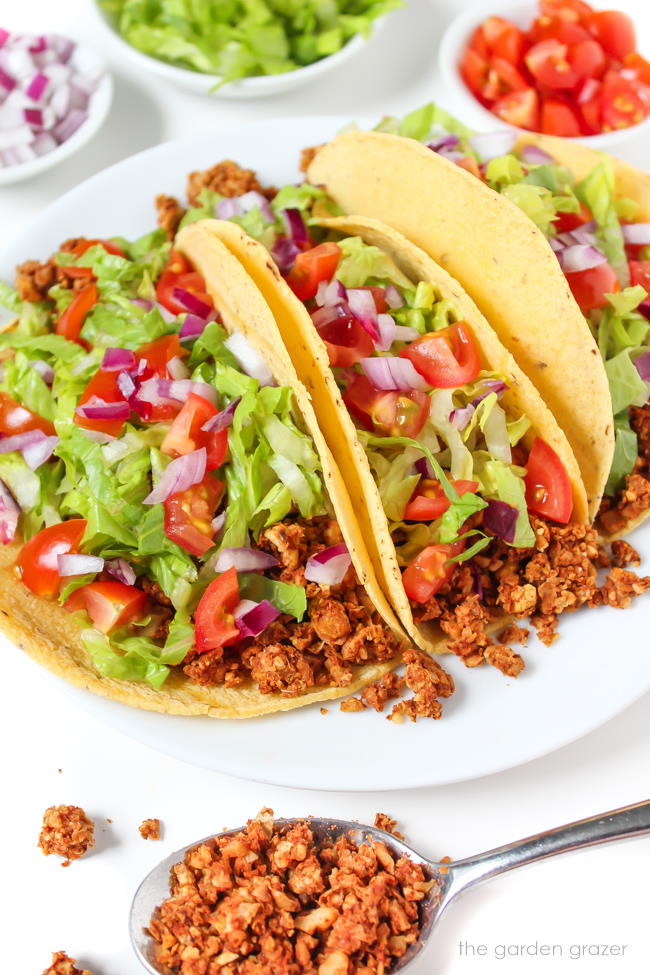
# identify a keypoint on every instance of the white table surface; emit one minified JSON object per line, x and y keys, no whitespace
{"x":56,"y":754}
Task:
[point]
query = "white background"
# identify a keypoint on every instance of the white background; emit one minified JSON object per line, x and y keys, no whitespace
{"x":54,"y":753}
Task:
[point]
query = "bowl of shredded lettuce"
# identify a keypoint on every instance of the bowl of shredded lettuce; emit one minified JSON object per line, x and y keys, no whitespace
{"x":241,"y":48}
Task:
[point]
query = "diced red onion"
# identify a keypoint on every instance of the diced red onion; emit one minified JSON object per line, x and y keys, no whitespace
{"x":256,"y":619}
{"x":328,"y":567}
{"x":121,"y":570}
{"x":394,"y":297}
{"x":284,"y":253}
{"x":642,"y":364}
{"x":244,"y":560}
{"x":4,"y":36}
{"x":126,"y":385}
{"x":423,"y":467}
{"x":191,"y":303}
{"x":330,"y":293}
{"x":44,"y":369}
{"x":644,"y":309}
{"x":6,"y":81}
{"x":229,"y":207}
{"x":254,"y":199}
{"x":11,"y":139}
{"x":478,"y":582}
{"x":448,"y":141}
{"x":158,"y":392}
{"x":405,"y":334}
{"x":328,"y":314}
{"x":296,"y":228}
{"x":461,"y":416}
{"x":44,"y":143}
{"x":491,"y":386}
{"x":116,"y":360}
{"x":72,"y":564}
{"x":38,"y":45}
{"x":489,"y":145}
{"x":637,"y":234}
{"x":536,"y":156}
{"x":179,"y":475}
{"x":249,"y":358}
{"x":165,"y":314}
{"x":97,"y":436}
{"x":222,"y":420}
{"x":393,"y":372}
{"x":362,"y":305}
{"x":98,"y":409}
{"x":36,"y":87}
{"x":243,"y":606}
{"x":33,"y":117}
{"x":218,"y":523}
{"x":9,"y":514}
{"x":580,"y":257}
{"x":192,"y":326}
{"x":177,"y":368}
{"x":69,"y":125}
{"x":387,"y":332}
{"x":35,"y":446}
{"x":501,"y":519}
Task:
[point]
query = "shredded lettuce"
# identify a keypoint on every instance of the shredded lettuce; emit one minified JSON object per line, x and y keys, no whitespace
{"x":286,"y":597}
{"x":361,"y":263}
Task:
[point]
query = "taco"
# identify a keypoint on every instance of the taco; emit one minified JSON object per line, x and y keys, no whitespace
{"x":446,"y":446}
{"x":553,"y":311}
{"x":177,"y":536}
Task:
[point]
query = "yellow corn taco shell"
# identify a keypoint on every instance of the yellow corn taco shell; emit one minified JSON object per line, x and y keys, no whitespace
{"x":310,"y":359}
{"x":49,"y":634}
{"x":501,"y":260}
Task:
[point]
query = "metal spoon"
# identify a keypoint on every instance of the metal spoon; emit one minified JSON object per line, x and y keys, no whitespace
{"x":454,"y":878}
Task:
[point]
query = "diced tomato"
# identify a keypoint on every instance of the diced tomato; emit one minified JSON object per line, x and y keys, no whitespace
{"x":625,"y":101}
{"x":72,"y":271}
{"x":470,"y":164}
{"x":71,"y":321}
{"x":573,"y":11}
{"x":558,"y":118}
{"x":15,"y":418}
{"x":347,"y":341}
{"x":636,"y":63}
{"x":311,"y":267}
{"x":214,"y":621}
{"x":429,"y":501}
{"x":564,"y":222}
{"x":104,"y":386}
{"x":109,"y":604}
{"x":396,"y":414}
{"x":157,"y":355}
{"x":520,"y":108}
{"x":490,"y":80}
{"x":189,"y":514}
{"x":590,"y":98}
{"x":614,"y":30}
{"x":548,"y":63}
{"x":508,"y":44}
{"x":640,"y":274}
{"x":474,"y":70}
{"x":38,"y":559}
{"x":587,"y":59}
{"x":447,"y":358}
{"x":179,"y":274}
{"x":430,"y":570}
{"x":557,"y":29}
{"x":548,"y":488}
{"x":108,"y":246}
{"x":185,"y":433}
{"x":590,"y":287}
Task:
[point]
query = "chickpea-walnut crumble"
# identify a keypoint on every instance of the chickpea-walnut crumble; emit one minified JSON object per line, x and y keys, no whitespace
{"x":67,"y":832}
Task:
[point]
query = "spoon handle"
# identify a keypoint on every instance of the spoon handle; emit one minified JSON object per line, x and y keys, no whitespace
{"x":615,"y":825}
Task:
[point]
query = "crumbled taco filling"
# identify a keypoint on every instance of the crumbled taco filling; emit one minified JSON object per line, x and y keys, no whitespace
{"x":63,"y":965}
{"x":161,"y":481}
{"x":274,"y":900}
{"x":149,"y":829}
{"x":67,"y":832}
{"x":480,"y":522}
{"x":604,"y":250}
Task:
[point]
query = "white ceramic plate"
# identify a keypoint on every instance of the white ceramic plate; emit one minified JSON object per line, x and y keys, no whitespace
{"x":598,"y":666}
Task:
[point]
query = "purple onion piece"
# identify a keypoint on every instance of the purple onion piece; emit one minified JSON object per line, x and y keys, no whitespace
{"x":179,"y":475}
{"x":296,"y":228}
{"x":223,"y":419}
{"x":9,"y":514}
{"x":501,"y":519}
{"x":642,"y":364}
{"x":116,"y":360}
{"x":120,"y":570}
{"x":256,"y":619}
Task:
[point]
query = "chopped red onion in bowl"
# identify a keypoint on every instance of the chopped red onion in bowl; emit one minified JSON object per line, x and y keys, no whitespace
{"x":72,"y":564}
{"x":328,"y":567}
{"x":244,"y":560}
{"x":47,"y":83}
{"x":179,"y":475}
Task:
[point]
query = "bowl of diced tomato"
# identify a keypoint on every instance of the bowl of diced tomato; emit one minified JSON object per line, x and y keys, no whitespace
{"x":560,"y":67}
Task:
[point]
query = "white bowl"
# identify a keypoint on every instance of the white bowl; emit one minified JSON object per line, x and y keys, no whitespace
{"x":452,"y":46}
{"x":98,"y":106}
{"x":259,"y":86}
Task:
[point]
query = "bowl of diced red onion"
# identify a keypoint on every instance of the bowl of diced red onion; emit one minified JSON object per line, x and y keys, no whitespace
{"x":54,"y":96}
